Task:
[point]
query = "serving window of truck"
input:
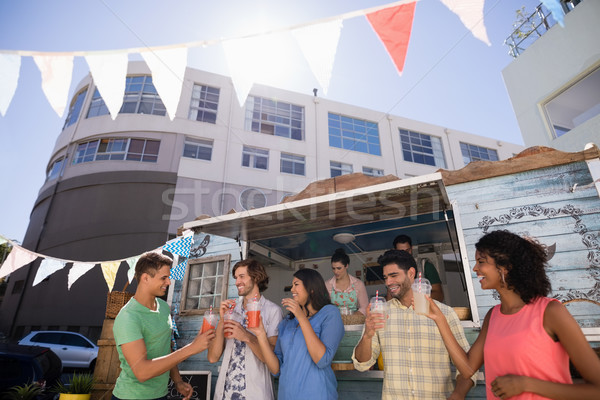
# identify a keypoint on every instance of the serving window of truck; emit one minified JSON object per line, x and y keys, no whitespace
{"x":363,"y":217}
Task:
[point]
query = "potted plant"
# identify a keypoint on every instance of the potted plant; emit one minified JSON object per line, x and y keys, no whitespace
{"x":28,"y":391}
{"x":79,"y":387}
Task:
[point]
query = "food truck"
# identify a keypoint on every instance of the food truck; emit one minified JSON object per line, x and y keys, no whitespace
{"x":542,"y":193}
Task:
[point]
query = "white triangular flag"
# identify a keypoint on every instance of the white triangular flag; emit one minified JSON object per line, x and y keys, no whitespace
{"x":243,"y":58}
{"x":77,"y":271}
{"x":132,"y":261}
{"x":17,"y":258}
{"x":319,"y":44}
{"x":168,"y":71}
{"x":56,"y":79}
{"x":10,"y":65}
{"x":470,"y":13}
{"x":47,"y":268}
{"x":109,"y":72}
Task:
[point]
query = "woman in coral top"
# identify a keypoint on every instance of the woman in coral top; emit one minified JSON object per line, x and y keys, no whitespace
{"x":526,"y":341}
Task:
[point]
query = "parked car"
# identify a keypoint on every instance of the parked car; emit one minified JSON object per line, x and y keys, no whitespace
{"x":73,"y":349}
{"x":20,"y":365}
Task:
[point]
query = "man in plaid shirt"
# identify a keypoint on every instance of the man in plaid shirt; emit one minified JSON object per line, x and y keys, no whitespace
{"x":417,"y":364}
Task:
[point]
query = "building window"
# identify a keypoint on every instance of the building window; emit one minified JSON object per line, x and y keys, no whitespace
{"x":140,"y":97}
{"x":205,"y":101}
{"x":372,"y":171}
{"x":75,"y":108}
{"x":292,"y":164}
{"x":354,"y":134}
{"x":198,"y":148}
{"x":338,"y":168}
{"x":576,"y":105}
{"x":470,"y":152}
{"x":55,"y":169}
{"x":204,"y":284}
{"x":422,"y":149}
{"x":117,"y":149}
{"x":255,"y":158}
{"x":275,"y":118}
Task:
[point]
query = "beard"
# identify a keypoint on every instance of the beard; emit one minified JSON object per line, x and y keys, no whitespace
{"x":404,"y":287}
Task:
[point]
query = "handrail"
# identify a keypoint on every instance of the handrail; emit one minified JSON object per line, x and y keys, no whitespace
{"x":533,"y":27}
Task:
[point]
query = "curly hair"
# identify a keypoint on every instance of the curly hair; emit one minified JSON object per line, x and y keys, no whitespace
{"x":525,"y":260}
{"x":256,"y":272}
{"x":340,"y":256}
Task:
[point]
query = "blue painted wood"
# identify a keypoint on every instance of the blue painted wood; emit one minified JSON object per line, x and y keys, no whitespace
{"x":541,"y":204}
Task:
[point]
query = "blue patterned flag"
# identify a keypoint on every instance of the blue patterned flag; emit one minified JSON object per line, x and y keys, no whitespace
{"x":180,"y":246}
{"x":556,"y":9}
{"x":178,"y":272}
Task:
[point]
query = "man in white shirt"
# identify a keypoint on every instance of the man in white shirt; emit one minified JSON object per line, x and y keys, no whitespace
{"x":243,"y":373}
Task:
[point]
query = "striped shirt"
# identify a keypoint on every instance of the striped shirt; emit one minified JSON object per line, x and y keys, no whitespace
{"x":416,"y":363}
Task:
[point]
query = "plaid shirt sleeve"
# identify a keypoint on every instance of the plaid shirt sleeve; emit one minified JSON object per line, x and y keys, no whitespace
{"x":375,"y":348}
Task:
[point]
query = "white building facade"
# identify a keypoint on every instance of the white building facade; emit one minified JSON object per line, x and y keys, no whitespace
{"x":554,"y":83}
{"x":117,"y":188}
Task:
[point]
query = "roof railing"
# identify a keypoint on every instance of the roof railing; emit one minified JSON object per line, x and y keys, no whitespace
{"x":533,"y":27}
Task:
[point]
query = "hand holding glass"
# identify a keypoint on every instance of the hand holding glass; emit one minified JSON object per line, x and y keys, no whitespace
{"x":209,"y":321}
{"x":420,"y":288}
{"x":253,"y":312}
{"x":379,"y":306}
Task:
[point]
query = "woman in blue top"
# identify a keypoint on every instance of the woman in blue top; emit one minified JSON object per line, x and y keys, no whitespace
{"x":308,"y":339}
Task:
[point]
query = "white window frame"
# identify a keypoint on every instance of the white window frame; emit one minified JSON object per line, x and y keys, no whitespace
{"x":295,"y":161}
{"x":88,"y":151}
{"x":207,"y":288}
{"x":204,"y":104}
{"x":372,"y":171}
{"x":416,"y":147}
{"x":343,"y":168}
{"x":194,"y":145}
{"x":273,"y":117}
{"x":254,"y":155}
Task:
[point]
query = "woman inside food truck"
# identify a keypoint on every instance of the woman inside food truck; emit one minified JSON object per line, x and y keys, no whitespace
{"x":347,"y":292}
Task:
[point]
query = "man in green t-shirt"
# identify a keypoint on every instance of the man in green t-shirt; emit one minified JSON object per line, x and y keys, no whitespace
{"x":142,"y":333}
{"x":404,"y":242}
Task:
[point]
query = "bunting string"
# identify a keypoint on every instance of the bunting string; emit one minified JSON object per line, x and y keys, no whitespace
{"x":317,"y":40}
{"x":20,"y":257}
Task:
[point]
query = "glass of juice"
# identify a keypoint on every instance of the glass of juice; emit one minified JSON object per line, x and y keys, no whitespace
{"x":209,"y":321}
{"x":253,"y":314}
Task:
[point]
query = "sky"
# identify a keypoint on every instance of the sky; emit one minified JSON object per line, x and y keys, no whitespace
{"x":450,"y":78}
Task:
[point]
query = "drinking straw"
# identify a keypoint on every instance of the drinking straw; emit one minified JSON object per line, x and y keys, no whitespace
{"x":210,"y":310}
{"x":377,"y":293}
{"x":419,"y":282}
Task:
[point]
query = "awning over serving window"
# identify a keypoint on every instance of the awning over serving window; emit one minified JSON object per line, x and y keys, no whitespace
{"x":374,"y":214}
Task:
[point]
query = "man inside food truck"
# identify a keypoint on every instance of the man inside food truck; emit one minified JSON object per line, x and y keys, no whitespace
{"x":417,"y":364}
{"x":404,"y":242}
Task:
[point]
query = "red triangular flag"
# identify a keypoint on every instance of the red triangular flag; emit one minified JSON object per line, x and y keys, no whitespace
{"x":393,"y":26}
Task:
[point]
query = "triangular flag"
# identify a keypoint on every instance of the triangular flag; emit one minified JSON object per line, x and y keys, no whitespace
{"x":556,"y":9}
{"x":168,"y":70}
{"x":131,"y":261}
{"x":56,"y":79}
{"x":109,"y":72}
{"x":17,"y":258}
{"x":470,"y":13}
{"x":181,"y":247}
{"x":319,"y":44}
{"x":109,"y":270}
{"x":77,"y":271}
{"x":10,"y":65}
{"x":393,"y":26}
{"x":243,"y":58}
{"x":178,"y":272}
{"x":47,"y":268}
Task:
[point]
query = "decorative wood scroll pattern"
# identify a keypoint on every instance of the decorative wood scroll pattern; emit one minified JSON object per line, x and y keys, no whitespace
{"x":589,"y":239}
